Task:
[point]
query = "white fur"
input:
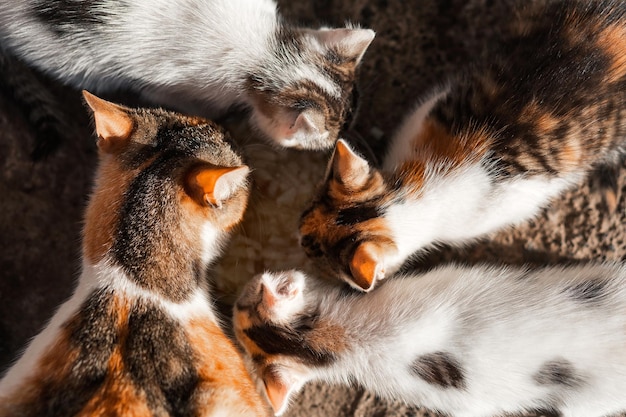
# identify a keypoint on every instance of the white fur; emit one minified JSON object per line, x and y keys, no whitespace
{"x":463,"y":205}
{"x":198,"y":48}
{"x":195,"y":56}
{"x":213,"y":240}
{"x":402,"y":147}
{"x":501,"y":325}
{"x":457,"y":205}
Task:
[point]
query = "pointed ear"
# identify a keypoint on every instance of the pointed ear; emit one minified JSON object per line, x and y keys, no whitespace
{"x":210,"y":185}
{"x":113,"y":123}
{"x":367,"y":265}
{"x":281,"y":286}
{"x":280,"y":385}
{"x":308,"y":122}
{"x":347,"y":167}
{"x":351,"y":43}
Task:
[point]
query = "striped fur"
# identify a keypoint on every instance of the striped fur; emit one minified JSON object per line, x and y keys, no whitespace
{"x":200,"y":57}
{"x":139,"y":337}
{"x":464,"y":341}
{"x":486,"y":150}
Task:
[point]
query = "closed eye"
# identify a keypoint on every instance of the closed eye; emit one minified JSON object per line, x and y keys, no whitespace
{"x":311,"y":247}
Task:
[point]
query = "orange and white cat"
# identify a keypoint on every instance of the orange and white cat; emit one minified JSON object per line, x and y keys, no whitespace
{"x":140,"y":336}
{"x":486,"y":150}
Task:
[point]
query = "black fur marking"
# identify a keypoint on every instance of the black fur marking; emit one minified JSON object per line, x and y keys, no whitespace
{"x":63,"y":15}
{"x":275,"y":340}
{"x":159,"y":359}
{"x":357,"y":214}
{"x":592,"y":291}
{"x":311,"y":247}
{"x":558,"y":372}
{"x":93,"y":334}
{"x":439,"y":368}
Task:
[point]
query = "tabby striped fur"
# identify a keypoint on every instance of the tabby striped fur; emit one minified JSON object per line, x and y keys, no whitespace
{"x":486,"y":150}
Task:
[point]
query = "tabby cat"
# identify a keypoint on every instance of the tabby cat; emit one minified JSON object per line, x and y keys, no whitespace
{"x":140,"y":335}
{"x":468,"y":342}
{"x":483,"y":151}
{"x":199,"y":57}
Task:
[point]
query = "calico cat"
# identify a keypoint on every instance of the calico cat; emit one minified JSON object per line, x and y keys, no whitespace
{"x":140,"y":336}
{"x":199,"y":57}
{"x":485,"y":150}
{"x":471,"y":342}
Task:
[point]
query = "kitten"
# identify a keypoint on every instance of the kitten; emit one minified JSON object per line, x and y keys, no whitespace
{"x":486,"y":150}
{"x":199,"y":57}
{"x":471,"y":342}
{"x":140,"y":336}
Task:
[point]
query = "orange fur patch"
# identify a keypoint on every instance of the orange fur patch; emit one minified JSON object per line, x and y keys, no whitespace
{"x":102,"y":214}
{"x":118,"y":395}
{"x":224,"y":379}
{"x":442,"y":146}
{"x":612,"y":41}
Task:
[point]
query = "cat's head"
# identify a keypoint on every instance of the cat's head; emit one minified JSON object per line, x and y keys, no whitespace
{"x":303,"y":94}
{"x":344,"y":230}
{"x":268,"y":319}
{"x":168,"y":187}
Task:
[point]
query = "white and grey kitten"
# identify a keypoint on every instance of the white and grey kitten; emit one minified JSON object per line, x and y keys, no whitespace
{"x":470,"y":342}
{"x":202,"y":57}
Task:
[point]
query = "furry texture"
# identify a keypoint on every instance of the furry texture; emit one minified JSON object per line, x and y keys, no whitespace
{"x":469,"y":342}
{"x":139,"y":335}
{"x":200,"y":57}
{"x":486,"y":150}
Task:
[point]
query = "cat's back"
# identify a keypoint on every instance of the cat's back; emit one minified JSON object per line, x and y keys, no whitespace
{"x":104,"y":45}
{"x":120,"y":354}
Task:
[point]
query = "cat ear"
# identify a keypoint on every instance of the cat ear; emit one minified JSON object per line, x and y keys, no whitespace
{"x":210,"y":185}
{"x":366,"y":265}
{"x":113,"y":123}
{"x":283,"y":294}
{"x":351,"y":43}
{"x":307,"y":122}
{"x":280,"y":384}
{"x":350,"y":169}
{"x":284,"y":286}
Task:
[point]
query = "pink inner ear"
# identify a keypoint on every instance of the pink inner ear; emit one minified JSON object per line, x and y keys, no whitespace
{"x":114,"y":125}
{"x":351,"y":42}
{"x":277,"y":395}
{"x":269,"y":298}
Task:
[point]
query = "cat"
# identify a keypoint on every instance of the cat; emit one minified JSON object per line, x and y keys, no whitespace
{"x":198,"y":57}
{"x":140,"y":335}
{"x":468,"y":342}
{"x":485,"y":150}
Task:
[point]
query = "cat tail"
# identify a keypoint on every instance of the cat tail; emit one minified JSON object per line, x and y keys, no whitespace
{"x":38,"y":104}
